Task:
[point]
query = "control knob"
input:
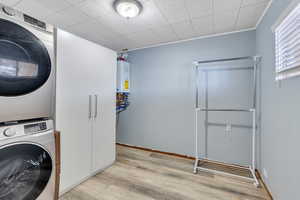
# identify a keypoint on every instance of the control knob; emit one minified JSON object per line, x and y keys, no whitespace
{"x":9,"y":132}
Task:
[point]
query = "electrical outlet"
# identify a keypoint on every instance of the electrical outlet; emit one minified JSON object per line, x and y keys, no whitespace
{"x":265,"y":173}
{"x":228,"y":127}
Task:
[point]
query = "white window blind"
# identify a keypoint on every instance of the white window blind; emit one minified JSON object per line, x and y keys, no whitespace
{"x":287,"y":47}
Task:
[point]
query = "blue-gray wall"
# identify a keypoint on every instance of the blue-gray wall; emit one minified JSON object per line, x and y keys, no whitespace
{"x":280,"y":116}
{"x":161,"y":114}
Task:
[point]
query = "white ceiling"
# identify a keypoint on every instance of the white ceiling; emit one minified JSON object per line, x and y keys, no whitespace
{"x":161,"y":21}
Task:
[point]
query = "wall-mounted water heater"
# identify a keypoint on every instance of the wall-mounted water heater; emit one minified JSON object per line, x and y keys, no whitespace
{"x":123,"y":83}
{"x":123,"y":76}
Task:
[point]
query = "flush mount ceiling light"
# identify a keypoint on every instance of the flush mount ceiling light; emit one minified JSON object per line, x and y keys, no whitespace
{"x":128,"y":8}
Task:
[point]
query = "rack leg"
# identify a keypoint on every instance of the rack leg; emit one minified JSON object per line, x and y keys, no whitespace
{"x":196,"y":142}
{"x":253,"y":138}
{"x":252,"y":168}
{"x":206,"y":115}
{"x":256,"y":182}
{"x":196,"y":166}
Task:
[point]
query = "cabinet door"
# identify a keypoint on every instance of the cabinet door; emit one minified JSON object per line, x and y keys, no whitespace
{"x":105,"y":122}
{"x":74,"y":66}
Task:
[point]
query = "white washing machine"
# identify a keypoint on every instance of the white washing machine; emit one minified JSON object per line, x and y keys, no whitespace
{"x":27,"y":161}
{"x":27,"y":67}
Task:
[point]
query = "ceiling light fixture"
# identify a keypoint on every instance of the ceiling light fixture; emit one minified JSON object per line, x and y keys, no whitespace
{"x":128,"y":8}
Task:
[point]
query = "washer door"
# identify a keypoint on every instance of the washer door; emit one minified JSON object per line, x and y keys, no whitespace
{"x":25,"y":64}
{"x":25,"y":170}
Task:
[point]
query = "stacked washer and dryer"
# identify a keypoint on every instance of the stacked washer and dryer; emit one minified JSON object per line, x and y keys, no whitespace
{"x":27,"y":94}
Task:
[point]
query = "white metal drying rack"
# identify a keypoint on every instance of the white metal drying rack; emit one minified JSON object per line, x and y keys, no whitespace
{"x":252,"y":110}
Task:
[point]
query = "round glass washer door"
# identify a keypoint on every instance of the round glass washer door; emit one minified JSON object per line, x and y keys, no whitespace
{"x":25,"y":64}
{"x":25,"y":170}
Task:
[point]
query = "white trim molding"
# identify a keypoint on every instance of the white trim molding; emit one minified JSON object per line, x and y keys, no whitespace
{"x":191,"y":39}
{"x":264,"y":13}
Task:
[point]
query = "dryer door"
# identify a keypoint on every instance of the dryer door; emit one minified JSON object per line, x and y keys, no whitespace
{"x":25,"y":64}
{"x":25,"y":170}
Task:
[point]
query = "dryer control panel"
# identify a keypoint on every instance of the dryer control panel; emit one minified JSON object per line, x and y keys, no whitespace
{"x":12,"y":13}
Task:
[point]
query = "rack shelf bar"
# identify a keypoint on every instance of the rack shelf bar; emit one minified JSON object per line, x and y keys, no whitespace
{"x":225,"y":60}
{"x":232,"y":125}
{"x":226,"y":110}
{"x":225,"y":173}
{"x":228,"y":68}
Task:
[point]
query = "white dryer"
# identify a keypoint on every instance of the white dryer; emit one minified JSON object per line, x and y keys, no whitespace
{"x":27,"y":67}
{"x":27,"y":161}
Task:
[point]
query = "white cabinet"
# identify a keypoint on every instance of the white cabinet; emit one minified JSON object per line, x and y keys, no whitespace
{"x":104,"y":124}
{"x":85,"y":107}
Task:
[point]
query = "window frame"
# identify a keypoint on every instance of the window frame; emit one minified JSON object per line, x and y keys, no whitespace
{"x":289,"y":72}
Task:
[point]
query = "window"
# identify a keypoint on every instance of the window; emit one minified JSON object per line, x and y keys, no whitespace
{"x":287,"y":43}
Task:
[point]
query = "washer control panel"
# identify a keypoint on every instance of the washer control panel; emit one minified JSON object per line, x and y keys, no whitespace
{"x":34,"y":128}
{"x":24,"y":129}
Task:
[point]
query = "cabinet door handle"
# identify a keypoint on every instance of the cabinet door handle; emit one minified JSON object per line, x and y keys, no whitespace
{"x":90,"y":106}
{"x":96,"y":106}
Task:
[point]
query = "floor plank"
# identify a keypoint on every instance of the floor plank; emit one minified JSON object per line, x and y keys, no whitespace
{"x":144,"y":175}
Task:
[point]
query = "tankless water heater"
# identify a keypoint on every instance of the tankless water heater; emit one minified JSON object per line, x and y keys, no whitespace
{"x":123,"y":77}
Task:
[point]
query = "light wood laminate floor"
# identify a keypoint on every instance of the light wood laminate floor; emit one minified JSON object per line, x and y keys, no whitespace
{"x":142,"y":175}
